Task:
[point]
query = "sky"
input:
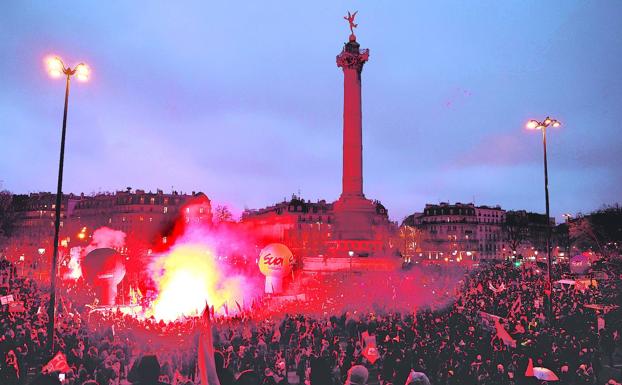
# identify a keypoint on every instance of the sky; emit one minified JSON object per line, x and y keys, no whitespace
{"x":243,"y":100}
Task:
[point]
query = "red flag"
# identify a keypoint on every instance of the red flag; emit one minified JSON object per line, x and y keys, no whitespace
{"x":239,"y":307}
{"x":529,"y":371}
{"x":364,"y":337}
{"x":515,"y":307}
{"x":504,"y":335}
{"x":207,"y":364}
{"x":370,"y":351}
{"x":57,"y":364}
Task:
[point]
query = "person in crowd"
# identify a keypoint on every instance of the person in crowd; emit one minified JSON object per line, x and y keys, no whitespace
{"x":452,"y":343}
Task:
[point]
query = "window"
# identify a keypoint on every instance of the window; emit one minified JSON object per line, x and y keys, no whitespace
{"x":165,"y":209}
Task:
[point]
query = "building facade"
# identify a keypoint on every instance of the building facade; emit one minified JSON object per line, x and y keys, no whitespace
{"x":464,"y":232}
{"x":308,"y":229}
{"x":490,"y":237}
{"x":145,"y":217}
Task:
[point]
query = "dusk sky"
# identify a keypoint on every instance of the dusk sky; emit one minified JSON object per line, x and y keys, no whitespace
{"x":243,"y":100}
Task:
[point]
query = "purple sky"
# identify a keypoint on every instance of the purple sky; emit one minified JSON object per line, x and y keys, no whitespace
{"x":244,"y":100}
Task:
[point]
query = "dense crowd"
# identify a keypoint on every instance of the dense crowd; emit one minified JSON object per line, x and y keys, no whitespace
{"x":456,"y":343}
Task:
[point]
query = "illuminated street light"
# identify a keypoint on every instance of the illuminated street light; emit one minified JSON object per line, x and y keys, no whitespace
{"x":536,"y":125}
{"x":56,"y":68}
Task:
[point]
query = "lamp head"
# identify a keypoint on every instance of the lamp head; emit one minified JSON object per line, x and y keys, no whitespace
{"x":54,"y":66}
{"x":82,"y":72}
{"x":533,"y":125}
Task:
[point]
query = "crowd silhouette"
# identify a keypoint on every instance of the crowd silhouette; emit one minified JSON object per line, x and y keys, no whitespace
{"x":493,"y":331}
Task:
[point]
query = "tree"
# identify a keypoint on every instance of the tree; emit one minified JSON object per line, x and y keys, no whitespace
{"x":600,"y":230}
{"x":8,"y":215}
{"x":222,"y":214}
{"x":516,"y":228}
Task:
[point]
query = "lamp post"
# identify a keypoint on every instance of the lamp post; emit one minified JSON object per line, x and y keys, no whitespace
{"x":542,"y":126}
{"x":56,"y":69}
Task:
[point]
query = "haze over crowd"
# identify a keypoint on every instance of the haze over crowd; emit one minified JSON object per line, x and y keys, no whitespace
{"x":244,"y":102}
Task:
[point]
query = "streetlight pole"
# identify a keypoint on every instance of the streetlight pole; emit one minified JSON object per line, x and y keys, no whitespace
{"x":542,"y":126}
{"x":56,"y":67}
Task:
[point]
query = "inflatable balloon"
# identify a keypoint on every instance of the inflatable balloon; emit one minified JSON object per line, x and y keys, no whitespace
{"x":104,"y":269}
{"x":275,"y":262}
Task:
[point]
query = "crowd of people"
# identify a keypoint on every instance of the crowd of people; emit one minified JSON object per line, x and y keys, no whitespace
{"x":490,"y":326}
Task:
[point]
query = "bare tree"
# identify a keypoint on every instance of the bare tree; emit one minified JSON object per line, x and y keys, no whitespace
{"x":516,"y":228}
{"x":222,"y":214}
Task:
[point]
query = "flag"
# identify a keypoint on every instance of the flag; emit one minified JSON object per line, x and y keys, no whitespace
{"x":529,"y":371}
{"x":370,"y":352}
{"x":277,"y":333}
{"x":207,"y":364}
{"x":11,"y":360}
{"x":56,"y":364}
{"x":364,"y":336}
{"x":600,"y":321}
{"x":504,"y":335}
{"x":226,"y":309}
{"x":239,"y":307}
{"x":515,"y":309}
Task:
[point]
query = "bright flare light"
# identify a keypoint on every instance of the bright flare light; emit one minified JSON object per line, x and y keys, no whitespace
{"x":55,"y":66}
{"x":188,"y":277}
{"x":532,"y":124}
{"x":82,"y":72}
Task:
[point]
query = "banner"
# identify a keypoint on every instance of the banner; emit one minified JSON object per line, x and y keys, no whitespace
{"x":56,"y":364}
{"x":4,"y":300}
{"x":17,"y":307}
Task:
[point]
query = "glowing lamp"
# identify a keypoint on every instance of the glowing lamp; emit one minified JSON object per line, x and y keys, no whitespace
{"x":556,"y":123}
{"x":547,"y":121}
{"x":55,"y":66}
{"x":275,"y":262}
{"x":82,"y":72}
{"x":532,"y":124}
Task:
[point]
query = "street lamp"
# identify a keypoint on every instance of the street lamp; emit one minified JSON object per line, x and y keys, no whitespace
{"x":56,"y":68}
{"x":542,"y":126}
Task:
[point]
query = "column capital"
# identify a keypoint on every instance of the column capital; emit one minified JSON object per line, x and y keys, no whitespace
{"x":352,"y":57}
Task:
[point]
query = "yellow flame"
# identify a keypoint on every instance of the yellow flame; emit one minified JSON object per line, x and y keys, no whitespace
{"x":188,"y":277}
